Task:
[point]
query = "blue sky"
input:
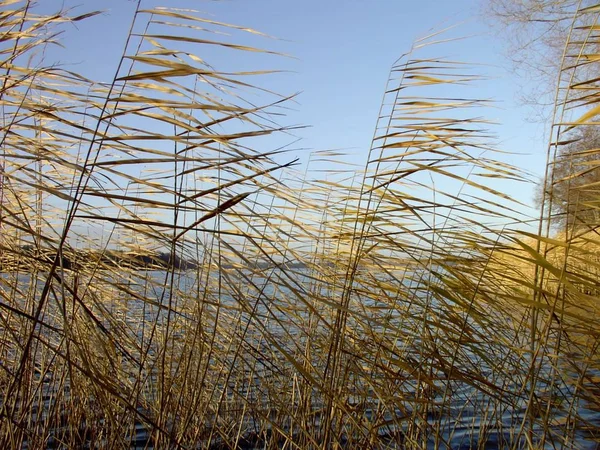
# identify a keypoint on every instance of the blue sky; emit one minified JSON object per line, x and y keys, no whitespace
{"x":342,"y":53}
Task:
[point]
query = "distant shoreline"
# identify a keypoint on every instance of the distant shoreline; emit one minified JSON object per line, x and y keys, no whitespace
{"x":28,"y":259}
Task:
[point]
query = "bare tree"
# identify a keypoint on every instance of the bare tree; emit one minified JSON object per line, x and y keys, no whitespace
{"x":535,"y":32}
{"x":574,"y":192}
{"x":543,"y":41}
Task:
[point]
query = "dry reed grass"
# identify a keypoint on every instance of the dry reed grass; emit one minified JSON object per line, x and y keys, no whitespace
{"x":376,"y":311}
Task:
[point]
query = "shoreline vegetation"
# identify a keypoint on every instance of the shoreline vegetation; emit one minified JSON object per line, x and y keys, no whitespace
{"x":238,"y":302}
{"x":27,"y":259}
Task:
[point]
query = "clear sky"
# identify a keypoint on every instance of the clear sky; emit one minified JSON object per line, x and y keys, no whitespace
{"x":342,"y":52}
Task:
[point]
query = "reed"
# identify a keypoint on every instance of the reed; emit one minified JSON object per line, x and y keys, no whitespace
{"x":398,"y":306}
